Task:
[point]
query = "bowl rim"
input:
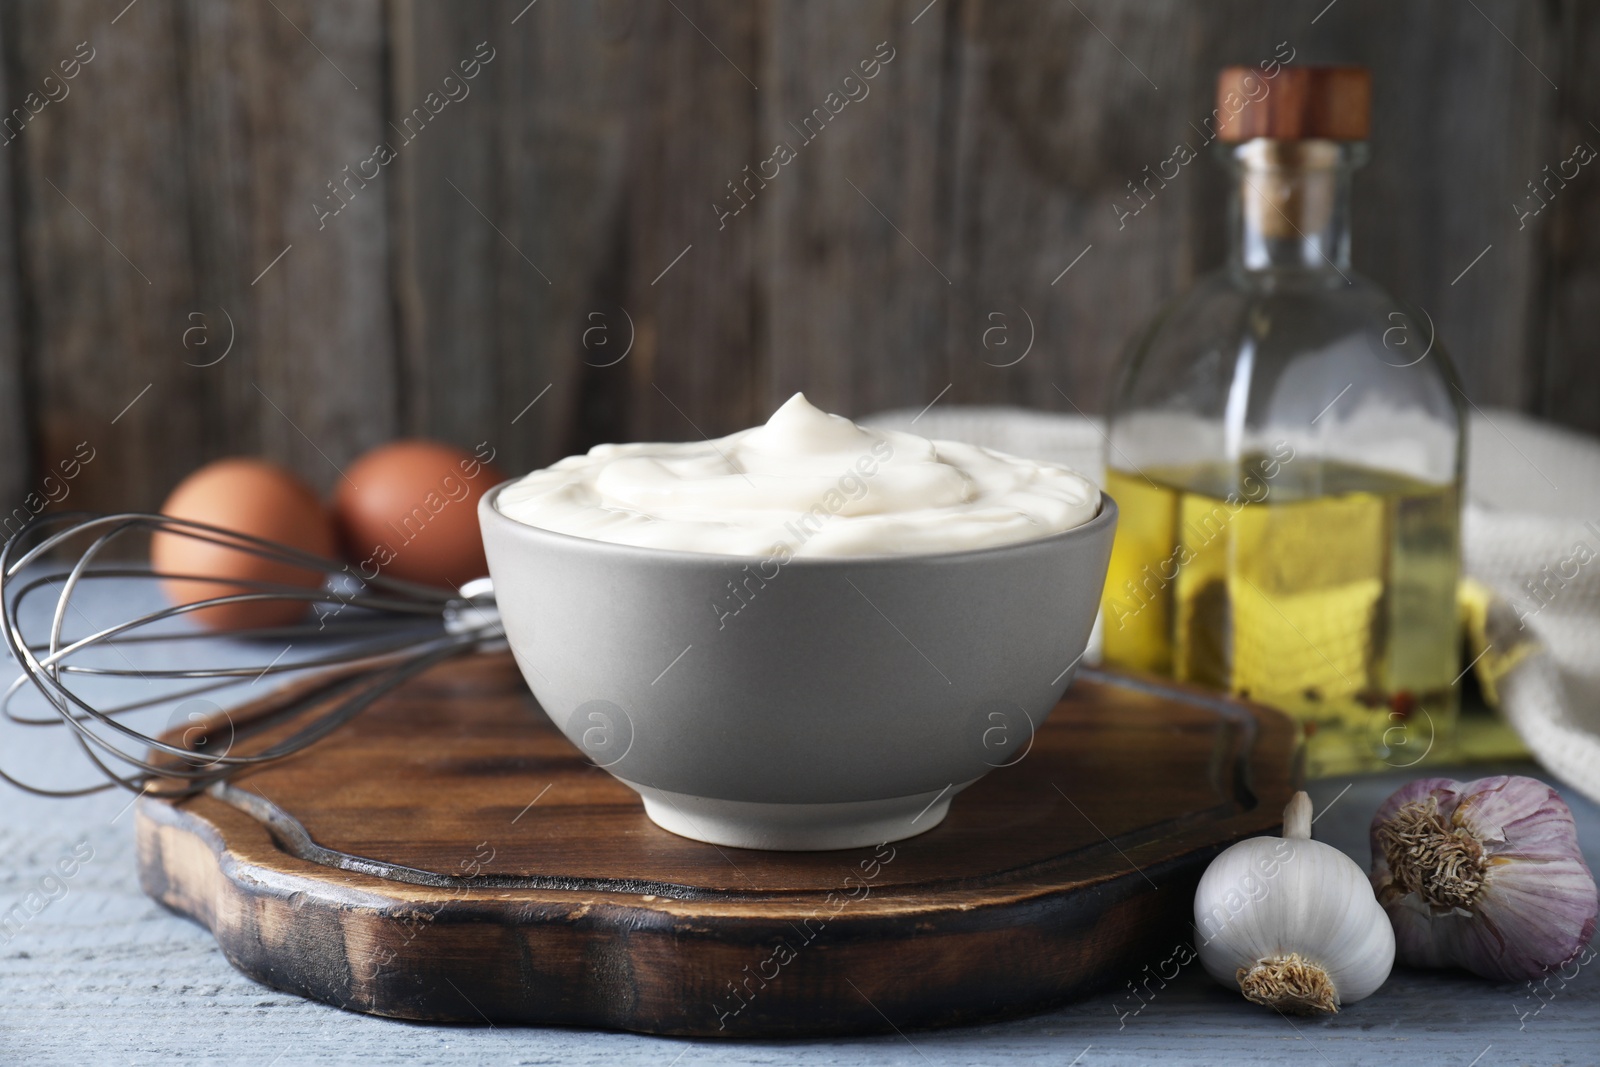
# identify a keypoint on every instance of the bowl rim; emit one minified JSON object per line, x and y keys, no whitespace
{"x":1105,"y":516}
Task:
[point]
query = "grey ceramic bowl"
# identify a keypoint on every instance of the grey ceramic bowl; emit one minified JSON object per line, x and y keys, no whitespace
{"x":823,"y":703}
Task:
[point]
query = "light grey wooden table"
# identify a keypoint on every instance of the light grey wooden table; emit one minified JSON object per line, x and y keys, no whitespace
{"x":102,"y":975}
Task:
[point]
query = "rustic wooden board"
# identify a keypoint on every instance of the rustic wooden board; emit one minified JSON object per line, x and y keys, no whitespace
{"x":449,"y":856}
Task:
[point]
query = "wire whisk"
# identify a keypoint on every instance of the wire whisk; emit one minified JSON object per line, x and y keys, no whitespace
{"x":365,"y":635}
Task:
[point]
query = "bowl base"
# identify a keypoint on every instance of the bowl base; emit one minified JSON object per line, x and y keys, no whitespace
{"x":796,"y":827}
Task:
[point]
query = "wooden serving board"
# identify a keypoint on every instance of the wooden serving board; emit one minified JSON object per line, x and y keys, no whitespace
{"x":449,"y":856}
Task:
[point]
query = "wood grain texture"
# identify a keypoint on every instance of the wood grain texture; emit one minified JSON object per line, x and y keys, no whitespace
{"x":16,"y":436}
{"x":1568,"y":375}
{"x":1037,"y":89}
{"x":514,"y":248}
{"x":1306,"y":102}
{"x":1462,"y":119}
{"x":154,"y":198}
{"x":449,"y":856}
{"x":489,"y":278}
{"x":311,"y":379}
{"x":692,"y":128}
{"x":858,"y":268}
{"x":103,"y":198}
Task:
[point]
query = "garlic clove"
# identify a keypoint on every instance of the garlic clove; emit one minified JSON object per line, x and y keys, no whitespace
{"x":1292,"y":923}
{"x":1484,"y":875}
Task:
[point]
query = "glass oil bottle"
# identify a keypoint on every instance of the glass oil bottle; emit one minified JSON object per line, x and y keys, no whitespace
{"x":1286,"y":450}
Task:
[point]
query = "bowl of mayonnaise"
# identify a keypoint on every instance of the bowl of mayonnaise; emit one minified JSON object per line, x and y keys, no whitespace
{"x":805,"y":635}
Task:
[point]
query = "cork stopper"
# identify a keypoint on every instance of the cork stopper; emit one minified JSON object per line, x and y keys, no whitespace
{"x":1296,"y":104}
{"x":1289,"y":187}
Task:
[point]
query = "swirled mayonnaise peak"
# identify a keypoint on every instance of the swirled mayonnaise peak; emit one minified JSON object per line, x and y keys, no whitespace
{"x":805,"y":484}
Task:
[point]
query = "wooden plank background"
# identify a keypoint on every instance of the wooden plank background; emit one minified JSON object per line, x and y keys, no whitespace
{"x":565,"y":210}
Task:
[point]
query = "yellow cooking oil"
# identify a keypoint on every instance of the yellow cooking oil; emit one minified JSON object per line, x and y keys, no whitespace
{"x":1327,"y":590}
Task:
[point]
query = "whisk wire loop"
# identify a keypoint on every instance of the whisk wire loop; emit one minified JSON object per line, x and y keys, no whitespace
{"x":395,"y":634}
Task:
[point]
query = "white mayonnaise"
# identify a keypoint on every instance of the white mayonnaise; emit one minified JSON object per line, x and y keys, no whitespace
{"x":805,"y":484}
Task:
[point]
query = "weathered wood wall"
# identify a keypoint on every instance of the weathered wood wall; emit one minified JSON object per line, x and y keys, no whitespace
{"x":178,"y":195}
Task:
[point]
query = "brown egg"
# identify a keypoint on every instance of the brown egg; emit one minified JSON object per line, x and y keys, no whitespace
{"x":409,"y":510}
{"x":248,"y":496}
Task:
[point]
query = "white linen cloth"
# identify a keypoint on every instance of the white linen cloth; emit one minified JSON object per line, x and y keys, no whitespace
{"x":1530,"y":534}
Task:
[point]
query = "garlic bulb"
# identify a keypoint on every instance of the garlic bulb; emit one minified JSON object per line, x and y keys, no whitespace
{"x":1292,"y":922}
{"x":1484,"y":875}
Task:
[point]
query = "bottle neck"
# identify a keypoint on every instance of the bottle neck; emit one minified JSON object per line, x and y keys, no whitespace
{"x":1291,"y":211}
